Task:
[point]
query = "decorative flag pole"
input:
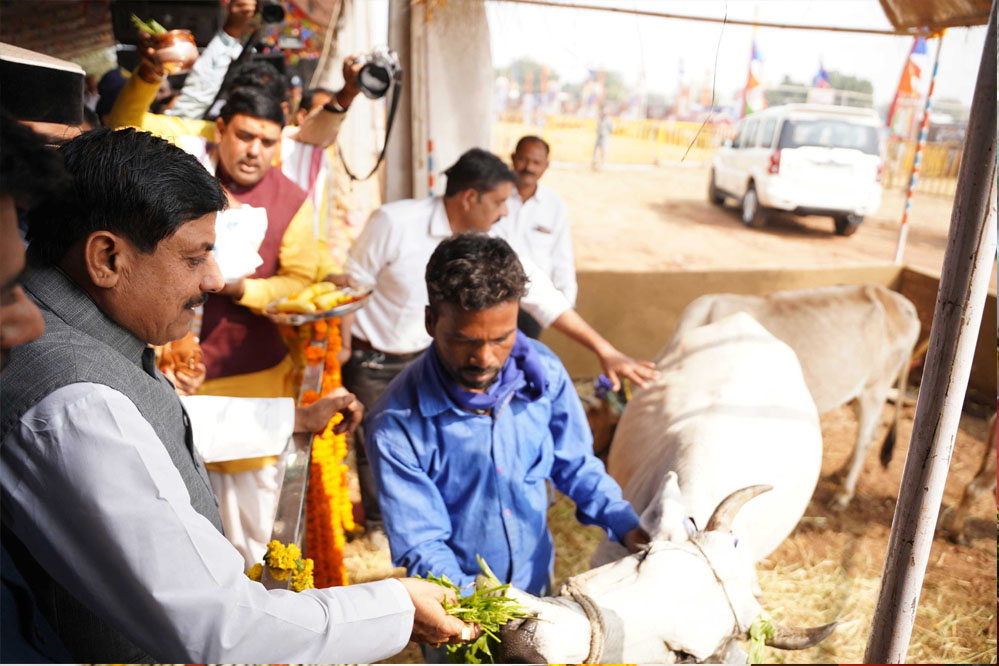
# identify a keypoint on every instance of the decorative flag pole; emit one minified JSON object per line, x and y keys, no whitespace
{"x":904,"y":81}
{"x":903,"y":231}
{"x":754,"y":83}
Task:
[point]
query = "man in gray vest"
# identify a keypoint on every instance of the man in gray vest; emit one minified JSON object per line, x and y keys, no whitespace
{"x":106,"y":507}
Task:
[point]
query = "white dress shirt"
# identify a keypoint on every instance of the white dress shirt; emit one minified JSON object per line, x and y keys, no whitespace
{"x":307,"y":166}
{"x":92,"y":493}
{"x":391,"y":254}
{"x":541,"y":226}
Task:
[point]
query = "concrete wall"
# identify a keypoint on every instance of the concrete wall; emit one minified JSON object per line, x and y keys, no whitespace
{"x":638,"y":311}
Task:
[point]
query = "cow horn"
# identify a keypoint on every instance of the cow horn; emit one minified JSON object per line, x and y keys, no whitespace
{"x":721,"y":519}
{"x":794,"y":638}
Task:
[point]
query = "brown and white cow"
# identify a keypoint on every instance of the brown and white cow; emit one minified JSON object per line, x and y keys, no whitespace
{"x":854,"y":343}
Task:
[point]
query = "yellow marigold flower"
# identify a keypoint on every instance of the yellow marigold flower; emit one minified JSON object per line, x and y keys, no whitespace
{"x":280,"y":574}
{"x":301,"y":579}
{"x":255,"y":572}
{"x":280,"y":556}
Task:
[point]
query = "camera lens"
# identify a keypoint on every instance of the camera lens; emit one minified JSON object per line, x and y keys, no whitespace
{"x":271,"y":11}
{"x":373,"y":80}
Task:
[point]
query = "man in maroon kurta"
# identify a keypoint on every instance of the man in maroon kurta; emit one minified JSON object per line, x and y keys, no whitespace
{"x":244,"y":353}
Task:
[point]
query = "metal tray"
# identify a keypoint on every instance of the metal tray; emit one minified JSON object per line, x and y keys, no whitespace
{"x":297,"y":319}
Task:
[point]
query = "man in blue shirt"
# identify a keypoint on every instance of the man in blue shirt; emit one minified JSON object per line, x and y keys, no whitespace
{"x":464,"y":441}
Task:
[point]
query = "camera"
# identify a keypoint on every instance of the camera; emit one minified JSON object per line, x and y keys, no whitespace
{"x":271,"y":11}
{"x":378,"y":69}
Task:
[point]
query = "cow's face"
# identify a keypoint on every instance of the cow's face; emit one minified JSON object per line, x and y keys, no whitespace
{"x":663,"y":603}
{"x":691,"y":597}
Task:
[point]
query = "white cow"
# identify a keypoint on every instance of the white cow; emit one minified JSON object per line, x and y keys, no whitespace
{"x":854,"y":343}
{"x":728,"y":417}
{"x":729,"y":409}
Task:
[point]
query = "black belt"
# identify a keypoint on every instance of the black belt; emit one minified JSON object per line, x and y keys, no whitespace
{"x":360,"y":344}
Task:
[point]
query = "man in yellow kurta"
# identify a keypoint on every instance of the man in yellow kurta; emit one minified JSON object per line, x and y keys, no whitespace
{"x":243,"y":351}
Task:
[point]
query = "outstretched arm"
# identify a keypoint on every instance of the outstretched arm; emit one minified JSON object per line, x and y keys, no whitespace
{"x":578,"y":473}
{"x":417,"y":520}
{"x":322,"y":124}
{"x":549,"y":307}
{"x":615,"y":364}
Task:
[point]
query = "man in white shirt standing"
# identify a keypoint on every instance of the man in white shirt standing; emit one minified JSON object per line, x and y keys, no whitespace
{"x":538,"y":220}
{"x":391,"y":255}
{"x":106,"y":506}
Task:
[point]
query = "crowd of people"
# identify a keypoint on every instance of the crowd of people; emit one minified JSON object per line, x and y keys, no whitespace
{"x":120,"y":544}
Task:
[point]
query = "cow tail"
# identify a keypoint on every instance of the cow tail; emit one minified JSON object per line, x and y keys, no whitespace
{"x":888,"y":447}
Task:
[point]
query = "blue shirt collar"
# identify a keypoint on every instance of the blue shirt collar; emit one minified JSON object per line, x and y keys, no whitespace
{"x":431,"y":396}
{"x":433,"y":399}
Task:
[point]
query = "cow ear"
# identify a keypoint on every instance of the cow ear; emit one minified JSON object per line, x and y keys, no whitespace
{"x":665,"y":517}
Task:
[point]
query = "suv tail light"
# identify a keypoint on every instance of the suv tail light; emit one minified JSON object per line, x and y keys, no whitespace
{"x":774,"y":166}
{"x":881,"y":172}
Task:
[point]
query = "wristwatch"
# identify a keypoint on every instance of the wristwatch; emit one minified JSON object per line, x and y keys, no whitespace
{"x":333,"y":106}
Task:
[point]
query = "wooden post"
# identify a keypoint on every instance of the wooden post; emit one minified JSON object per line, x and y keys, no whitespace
{"x":971,"y":247}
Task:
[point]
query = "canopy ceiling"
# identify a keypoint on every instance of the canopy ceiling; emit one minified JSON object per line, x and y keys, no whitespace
{"x":935,"y":14}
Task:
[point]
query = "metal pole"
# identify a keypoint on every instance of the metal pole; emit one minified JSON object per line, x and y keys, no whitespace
{"x":903,"y":230}
{"x":971,"y":247}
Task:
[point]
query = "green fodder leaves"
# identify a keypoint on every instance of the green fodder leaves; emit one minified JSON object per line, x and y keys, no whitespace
{"x":486,"y":606}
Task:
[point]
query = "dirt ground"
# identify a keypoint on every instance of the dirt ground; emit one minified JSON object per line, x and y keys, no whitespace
{"x":656,"y":218}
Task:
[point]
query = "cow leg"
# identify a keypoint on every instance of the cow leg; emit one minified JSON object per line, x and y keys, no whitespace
{"x":984,"y":481}
{"x":868,"y":409}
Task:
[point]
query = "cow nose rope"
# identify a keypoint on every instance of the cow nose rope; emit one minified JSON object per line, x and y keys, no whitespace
{"x":573,"y":588}
{"x":735,"y":616}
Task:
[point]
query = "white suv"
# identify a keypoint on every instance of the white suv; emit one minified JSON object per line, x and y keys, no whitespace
{"x":806,"y":159}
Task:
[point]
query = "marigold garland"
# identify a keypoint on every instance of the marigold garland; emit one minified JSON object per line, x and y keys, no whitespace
{"x":328,"y":508}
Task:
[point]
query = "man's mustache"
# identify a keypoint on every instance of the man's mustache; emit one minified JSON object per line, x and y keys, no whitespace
{"x":525,"y":172}
{"x":195,"y":302}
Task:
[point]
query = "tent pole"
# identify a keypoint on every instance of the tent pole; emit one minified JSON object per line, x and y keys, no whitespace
{"x":964,"y":282}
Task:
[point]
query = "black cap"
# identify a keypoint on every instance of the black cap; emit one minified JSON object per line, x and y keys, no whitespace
{"x":37,"y":87}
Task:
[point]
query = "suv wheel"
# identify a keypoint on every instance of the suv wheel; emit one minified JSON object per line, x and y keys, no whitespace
{"x":847,"y":225}
{"x":752,"y":214}
{"x":714,"y":194}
